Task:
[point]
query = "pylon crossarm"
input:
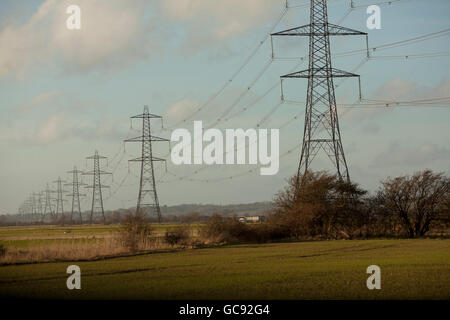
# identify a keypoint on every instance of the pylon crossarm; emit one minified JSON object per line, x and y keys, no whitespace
{"x":333,"y":30}
{"x":298,"y":31}
{"x":95,"y":172}
{"x":146,"y":159}
{"x":148,"y":115}
{"x":142,"y":139}
{"x":320,"y":73}
{"x":101,"y":186}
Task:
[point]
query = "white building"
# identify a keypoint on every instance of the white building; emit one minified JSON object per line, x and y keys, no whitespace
{"x":252,"y":219}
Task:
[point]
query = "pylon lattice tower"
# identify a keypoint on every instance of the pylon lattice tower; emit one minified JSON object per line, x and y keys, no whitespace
{"x":76,"y":205}
{"x":48,"y":208}
{"x":97,"y":198}
{"x":147,"y":197}
{"x":321,"y":110}
{"x":28,"y":209}
{"x":32,"y":207}
{"x":38,"y":206}
{"x":22,"y":211}
{"x":59,"y":211}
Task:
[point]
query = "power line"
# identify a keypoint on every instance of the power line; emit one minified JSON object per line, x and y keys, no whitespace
{"x":238,"y":71}
{"x":272,"y":111}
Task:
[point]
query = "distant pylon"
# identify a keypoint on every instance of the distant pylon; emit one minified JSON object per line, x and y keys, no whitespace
{"x":97,"y":199}
{"x":147,"y":197}
{"x":34,"y":207}
{"x":321,"y":110}
{"x":22,"y":211}
{"x":59,"y":212}
{"x":38,"y":206}
{"x":29,"y":204}
{"x":76,"y":205}
{"x":48,"y":208}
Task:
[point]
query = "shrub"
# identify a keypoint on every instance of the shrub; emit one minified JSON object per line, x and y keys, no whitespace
{"x":2,"y":250}
{"x":228,"y":230}
{"x":178,"y":235}
{"x":135,"y":231}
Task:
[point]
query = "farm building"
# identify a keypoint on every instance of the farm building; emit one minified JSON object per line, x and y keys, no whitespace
{"x":252,"y":219}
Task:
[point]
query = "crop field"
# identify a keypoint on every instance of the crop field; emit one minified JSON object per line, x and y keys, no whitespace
{"x":37,"y":235}
{"x":410,"y":269}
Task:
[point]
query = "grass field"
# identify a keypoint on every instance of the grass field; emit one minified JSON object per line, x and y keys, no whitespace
{"x":23,"y":237}
{"x":58,"y":232}
{"x":410,"y":269}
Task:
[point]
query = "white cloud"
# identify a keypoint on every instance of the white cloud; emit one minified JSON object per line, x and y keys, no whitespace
{"x":112,"y":35}
{"x":404,"y":156}
{"x":37,"y":100}
{"x":180,"y":110}
{"x":395,"y":90}
{"x":209,"y":22}
{"x":52,"y":129}
{"x":60,"y":127}
{"x":116,"y":33}
{"x":43,"y":131}
{"x":400,"y":89}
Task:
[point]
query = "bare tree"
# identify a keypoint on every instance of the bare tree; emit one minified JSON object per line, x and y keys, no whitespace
{"x":320,"y":204}
{"x":417,"y":200}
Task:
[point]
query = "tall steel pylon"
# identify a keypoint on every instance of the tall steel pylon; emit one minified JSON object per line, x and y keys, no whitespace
{"x":26,"y":208}
{"x":22,"y":211}
{"x":38,"y":206}
{"x":321,"y":110}
{"x":76,"y":205}
{"x":48,"y":208}
{"x":59,"y":211}
{"x":97,"y":198}
{"x":147,"y":197}
{"x":32,"y":207}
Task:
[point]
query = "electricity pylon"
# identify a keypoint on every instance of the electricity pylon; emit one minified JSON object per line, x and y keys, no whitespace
{"x":37,"y":197}
{"x":147,"y":197}
{"x":29,"y":209}
{"x":59,"y":211}
{"x":321,"y":110}
{"x":22,"y":211}
{"x":76,"y":205}
{"x":97,"y":199}
{"x":48,"y":209}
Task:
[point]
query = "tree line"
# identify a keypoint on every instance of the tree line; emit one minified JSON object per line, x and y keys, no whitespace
{"x":319,"y":205}
{"x":322,"y":204}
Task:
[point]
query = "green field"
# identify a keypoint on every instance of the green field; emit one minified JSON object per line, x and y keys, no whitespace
{"x":410,"y":269}
{"x":40,"y":232}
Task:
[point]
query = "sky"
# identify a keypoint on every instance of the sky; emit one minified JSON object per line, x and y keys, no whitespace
{"x":66,"y":93}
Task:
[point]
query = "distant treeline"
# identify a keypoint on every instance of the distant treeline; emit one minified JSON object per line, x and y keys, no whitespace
{"x":176,"y":213}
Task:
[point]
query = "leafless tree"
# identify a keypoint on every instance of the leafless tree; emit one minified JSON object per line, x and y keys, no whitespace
{"x":417,"y":200}
{"x":319,"y":204}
